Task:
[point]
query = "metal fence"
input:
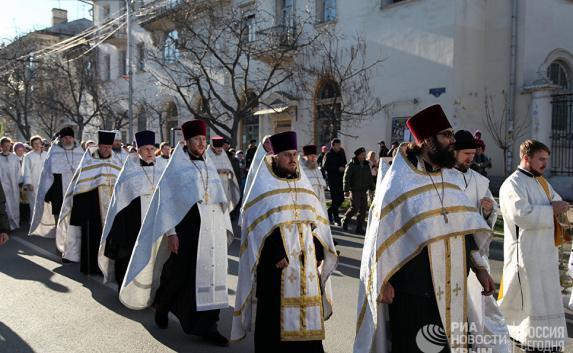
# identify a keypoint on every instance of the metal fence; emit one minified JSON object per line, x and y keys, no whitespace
{"x":562,"y":135}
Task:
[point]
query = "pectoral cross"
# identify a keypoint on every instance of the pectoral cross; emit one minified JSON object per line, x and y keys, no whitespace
{"x":206,"y":197}
{"x":440,"y":293}
{"x":457,"y":289}
{"x":444,"y":214}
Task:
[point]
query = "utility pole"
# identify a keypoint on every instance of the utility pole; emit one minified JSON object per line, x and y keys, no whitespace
{"x":129,"y":71}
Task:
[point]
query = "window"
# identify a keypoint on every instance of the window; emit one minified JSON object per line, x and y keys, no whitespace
{"x":285,"y":14}
{"x":105,"y":12}
{"x":325,"y":10}
{"x":559,"y":74}
{"x":141,"y":56}
{"x":122,"y":63}
{"x":170,"y":50}
{"x":390,"y":2}
{"x":106,"y":67}
{"x":250,"y":28}
{"x":328,"y":110}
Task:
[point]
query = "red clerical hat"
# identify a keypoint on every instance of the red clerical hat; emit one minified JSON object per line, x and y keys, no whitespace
{"x":309,"y":149}
{"x":194,"y":128}
{"x":428,"y":123}
{"x":284,"y":141}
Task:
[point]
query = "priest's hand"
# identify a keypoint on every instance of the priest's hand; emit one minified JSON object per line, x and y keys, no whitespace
{"x":387,"y":295}
{"x":486,"y":282}
{"x":486,"y":205}
{"x":3,"y":238}
{"x":282,"y":264}
{"x":173,"y":243}
{"x":560,"y":207}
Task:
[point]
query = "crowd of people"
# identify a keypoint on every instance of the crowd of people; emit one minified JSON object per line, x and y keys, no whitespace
{"x":158,"y":220}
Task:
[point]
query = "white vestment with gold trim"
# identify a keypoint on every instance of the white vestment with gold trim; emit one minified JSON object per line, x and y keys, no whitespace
{"x":227,"y":176}
{"x":10,"y":178}
{"x":132,"y":182}
{"x":92,"y":173}
{"x":406,"y":216}
{"x":292,"y":206}
{"x":58,"y":161}
{"x":530,"y":293}
{"x":180,"y":188}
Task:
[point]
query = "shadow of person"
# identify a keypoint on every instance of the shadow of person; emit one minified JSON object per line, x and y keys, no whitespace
{"x":11,"y":342}
{"x":16,"y":265}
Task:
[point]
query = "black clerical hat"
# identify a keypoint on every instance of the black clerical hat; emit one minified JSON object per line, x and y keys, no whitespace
{"x":217,"y":141}
{"x":284,"y":141}
{"x":66,"y":131}
{"x":359,"y":151}
{"x":464,"y":141}
{"x":309,"y":149}
{"x":144,"y":137}
{"x":105,"y":137}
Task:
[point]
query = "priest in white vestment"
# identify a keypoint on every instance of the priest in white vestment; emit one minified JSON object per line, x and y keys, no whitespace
{"x":226,"y":172}
{"x":32,"y":169}
{"x":61,"y":162}
{"x":287,"y":255}
{"x":530,"y":294}
{"x":132,"y":194}
{"x":118,"y":152}
{"x":423,"y":237}
{"x":10,"y":178}
{"x":189,"y":217}
{"x":487,"y":323}
{"x":82,"y":217}
{"x":309,"y":166}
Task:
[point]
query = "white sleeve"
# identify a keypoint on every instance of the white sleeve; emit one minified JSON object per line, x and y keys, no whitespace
{"x":516,"y":207}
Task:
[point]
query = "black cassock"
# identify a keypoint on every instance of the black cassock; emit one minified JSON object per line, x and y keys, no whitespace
{"x":122,"y":237}
{"x":176,"y":291}
{"x":86,"y":214}
{"x":267,"y":323}
{"x":55,"y":195}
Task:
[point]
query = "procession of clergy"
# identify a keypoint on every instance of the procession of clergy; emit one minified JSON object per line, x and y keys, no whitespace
{"x":161,"y":232}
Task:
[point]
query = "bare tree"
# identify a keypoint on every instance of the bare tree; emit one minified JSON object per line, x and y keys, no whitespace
{"x":496,"y":124}
{"x":221,"y":68}
{"x":154,"y":113}
{"x":18,"y":75}
{"x":76,"y":92}
{"x":342,"y":65}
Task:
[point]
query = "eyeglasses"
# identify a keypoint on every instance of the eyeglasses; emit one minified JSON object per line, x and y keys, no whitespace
{"x":447,"y":134}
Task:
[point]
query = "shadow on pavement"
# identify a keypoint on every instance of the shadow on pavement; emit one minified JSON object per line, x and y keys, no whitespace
{"x":11,"y":342}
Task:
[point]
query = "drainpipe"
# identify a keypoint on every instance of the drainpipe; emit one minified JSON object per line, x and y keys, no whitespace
{"x":511,"y":90}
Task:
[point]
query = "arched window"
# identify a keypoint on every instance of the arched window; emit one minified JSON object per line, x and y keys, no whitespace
{"x":171,"y":117}
{"x":170,"y":49}
{"x":328,"y":121}
{"x":558,"y":72}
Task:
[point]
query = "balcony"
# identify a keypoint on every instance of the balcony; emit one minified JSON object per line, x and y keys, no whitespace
{"x":276,"y":41}
{"x":155,"y":15}
{"x":119,"y":37}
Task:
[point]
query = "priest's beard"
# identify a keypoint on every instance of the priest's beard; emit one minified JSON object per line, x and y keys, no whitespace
{"x":311,"y":164}
{"x":442,"y":156}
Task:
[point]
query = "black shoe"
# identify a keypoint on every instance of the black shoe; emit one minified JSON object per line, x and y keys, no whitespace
{"x":161,"y":320}
{"x":359,"y":231}
{"x":345,"y":225}
{"x":216,"y":339}
{"x":66,"y":261}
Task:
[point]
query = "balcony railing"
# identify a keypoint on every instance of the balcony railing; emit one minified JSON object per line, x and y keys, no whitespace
{"x":281,"y":36}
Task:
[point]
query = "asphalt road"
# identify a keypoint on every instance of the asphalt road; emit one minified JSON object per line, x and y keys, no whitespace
{"x":49,"y":307}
